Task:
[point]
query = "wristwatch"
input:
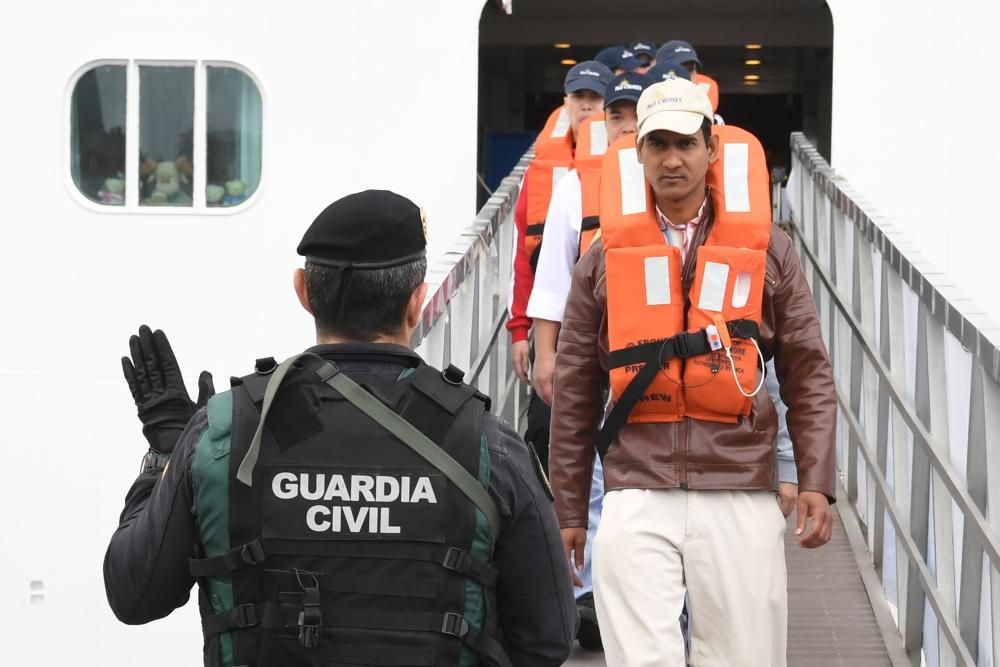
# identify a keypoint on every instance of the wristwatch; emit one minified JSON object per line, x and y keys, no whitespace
{"x":154,"y":461}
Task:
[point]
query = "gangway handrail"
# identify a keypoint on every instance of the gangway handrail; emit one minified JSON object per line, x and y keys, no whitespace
{"x":463,"y":319}
{"x":906,"y":346}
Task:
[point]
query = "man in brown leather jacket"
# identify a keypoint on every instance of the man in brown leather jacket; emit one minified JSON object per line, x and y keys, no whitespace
{"x":690,"y":506}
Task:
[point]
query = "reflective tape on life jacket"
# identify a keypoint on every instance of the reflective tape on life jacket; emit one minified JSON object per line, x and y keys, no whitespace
{"x":553,"y":160}
{"x":674,"y":355}
{"x":711,"y":88}
{"x":729,"y":275}
{"x":643,"y":275}
{"x":591,"y":147}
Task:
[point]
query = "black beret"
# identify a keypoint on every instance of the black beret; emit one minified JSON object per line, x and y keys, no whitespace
{"x":371,"y":229}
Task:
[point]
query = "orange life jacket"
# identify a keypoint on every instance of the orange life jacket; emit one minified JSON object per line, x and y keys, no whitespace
{"x":591,"y":147}
{"x":553,"y":158}
{"x":675,"y":355}
{"x":711,"y":88}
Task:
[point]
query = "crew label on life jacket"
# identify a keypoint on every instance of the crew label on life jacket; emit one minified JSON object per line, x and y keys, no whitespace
{"x":354,"y":504}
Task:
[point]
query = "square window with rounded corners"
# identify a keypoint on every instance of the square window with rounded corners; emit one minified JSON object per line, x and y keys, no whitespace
{"x":175,"y":137}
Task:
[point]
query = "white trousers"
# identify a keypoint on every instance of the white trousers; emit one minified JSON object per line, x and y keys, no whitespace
{"x":724,"y":549}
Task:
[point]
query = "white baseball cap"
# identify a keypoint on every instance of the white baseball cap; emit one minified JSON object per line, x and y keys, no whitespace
{"x":676,"y":105}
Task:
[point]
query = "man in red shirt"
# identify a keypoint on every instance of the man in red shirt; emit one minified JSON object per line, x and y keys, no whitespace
{"x":584,"y":85}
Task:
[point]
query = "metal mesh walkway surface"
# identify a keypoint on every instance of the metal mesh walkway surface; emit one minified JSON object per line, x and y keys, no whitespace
{"x":830,"y":618}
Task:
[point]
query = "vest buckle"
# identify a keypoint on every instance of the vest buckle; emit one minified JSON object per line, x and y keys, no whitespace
{"x":311,"y":616}
{"x":455,"y":560}
{"x":308,"y":632}
{"x":246,"y":615}
{"x":454,"y":625}
{"x":252,"y":553}
{"x":681,"y":347}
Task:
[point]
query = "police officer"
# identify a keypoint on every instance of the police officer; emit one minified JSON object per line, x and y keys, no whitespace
{"x":351,"y":505}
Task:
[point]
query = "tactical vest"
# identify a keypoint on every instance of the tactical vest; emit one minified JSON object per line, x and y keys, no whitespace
{"x":365,"y":535}
{"x":553,"y":159}
{"x":711,"y":88}
{"x":591,"y":147}
{"x":678,"y":352}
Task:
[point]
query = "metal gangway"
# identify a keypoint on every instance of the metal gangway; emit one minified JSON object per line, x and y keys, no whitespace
{"x":911,"y":575}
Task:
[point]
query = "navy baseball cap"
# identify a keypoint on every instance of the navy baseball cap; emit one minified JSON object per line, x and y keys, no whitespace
{"x":668,"y":70}
{"x":588,"y":75}
{"x":611,"y":56}
{"x":618,"y":57}
{"x":677,"y":51}
{"x":627,"y":86}
{"x":643,"y":47}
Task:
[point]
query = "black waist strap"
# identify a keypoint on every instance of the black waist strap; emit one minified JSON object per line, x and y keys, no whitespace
{"x":590,"y":222}
{"x":219,"y":566}
{"x":535,"y":229}
{"x":653,"y":355}
{"x":237,"y":618}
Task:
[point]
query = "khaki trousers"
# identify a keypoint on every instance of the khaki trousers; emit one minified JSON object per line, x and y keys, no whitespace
{"x":724,"y":549}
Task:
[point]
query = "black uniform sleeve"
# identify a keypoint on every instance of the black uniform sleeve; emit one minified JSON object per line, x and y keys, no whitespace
{"x":534,"y":591}
{"x":146,"y":566}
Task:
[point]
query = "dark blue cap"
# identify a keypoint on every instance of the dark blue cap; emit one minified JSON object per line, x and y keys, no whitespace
{"x":588,"y":75}
{"x":662,"y":71}
{"x":618,"y":57}
{"x":627,"y":86}
{"x":677,"y":51}
{"x":643,"y":47}
{"x":611,"y":56}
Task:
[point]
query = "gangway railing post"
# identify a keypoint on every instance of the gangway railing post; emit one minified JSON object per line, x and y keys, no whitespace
{"x":466,"y":308}
{"x":918,"y":372}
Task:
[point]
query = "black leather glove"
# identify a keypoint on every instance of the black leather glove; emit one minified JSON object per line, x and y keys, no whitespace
{"x":157,"y":387}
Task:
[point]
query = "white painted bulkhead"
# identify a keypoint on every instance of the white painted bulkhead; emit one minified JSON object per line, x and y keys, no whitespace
{"x":380,"y":93}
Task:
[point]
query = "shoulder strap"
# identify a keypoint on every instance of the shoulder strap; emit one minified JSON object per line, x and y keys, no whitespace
{"x":330,"y":374}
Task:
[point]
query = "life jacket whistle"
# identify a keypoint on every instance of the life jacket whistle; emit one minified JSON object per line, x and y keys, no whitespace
{"x":553,"y":160}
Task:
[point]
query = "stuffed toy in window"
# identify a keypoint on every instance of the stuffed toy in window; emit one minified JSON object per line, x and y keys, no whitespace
{"x":167,"y":180}
{"x":235,"y":193}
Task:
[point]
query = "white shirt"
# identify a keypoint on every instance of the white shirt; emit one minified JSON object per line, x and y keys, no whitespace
{"x":560,"y":250}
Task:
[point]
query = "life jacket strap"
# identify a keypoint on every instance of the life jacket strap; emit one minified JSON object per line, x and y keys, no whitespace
{"x":234,"y":559}
{"x":536,"y":229}
{"x":653,"y":356}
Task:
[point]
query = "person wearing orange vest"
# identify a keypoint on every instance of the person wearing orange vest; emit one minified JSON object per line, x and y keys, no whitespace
{"x":584,"y":86}
{"x":674,"y":309}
